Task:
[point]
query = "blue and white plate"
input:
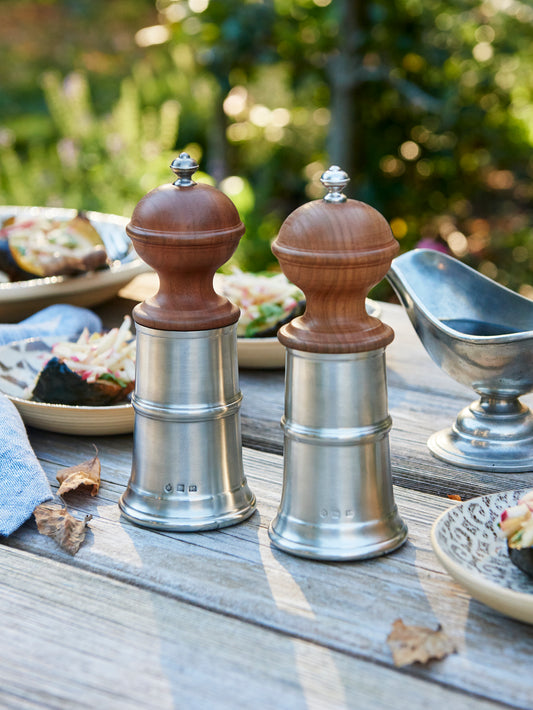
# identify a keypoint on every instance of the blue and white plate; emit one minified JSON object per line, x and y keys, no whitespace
{"x":466,"y":541}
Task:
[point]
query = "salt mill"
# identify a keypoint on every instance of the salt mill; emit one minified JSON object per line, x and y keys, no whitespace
{"x":187,"y":471}
{"x":337,"y":501}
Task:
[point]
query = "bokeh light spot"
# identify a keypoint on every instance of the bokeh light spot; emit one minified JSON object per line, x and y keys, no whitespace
{"x":410,"y":150}
{"x":399,"y":227}
{"x":500,"y":179}
{"x":520,"y":253}
{"x":458,"y":243}
{"x":483,"y":51}
{"x":424,"y":168}
{"x":280,"y":117}
{"x":485,"y":33}
{"x":148,"y":36}
{"x":321,"y":116}
{"x":488,"y":268}
{"x":198,"y":5}
{"x":235,"y":102}
{"x":392,"y":166}
{"x":260,"y":115}
{"x":232,"y":185}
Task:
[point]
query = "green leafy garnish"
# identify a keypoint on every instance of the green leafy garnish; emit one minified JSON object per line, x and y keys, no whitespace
{"x":109,"y":376}
{"x":270,"y":314}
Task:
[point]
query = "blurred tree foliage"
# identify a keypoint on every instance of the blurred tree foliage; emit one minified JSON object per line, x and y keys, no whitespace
{"x":428,"y":104}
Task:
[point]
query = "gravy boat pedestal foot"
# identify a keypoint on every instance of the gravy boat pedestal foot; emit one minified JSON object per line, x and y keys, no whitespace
{"x":489,"y":434}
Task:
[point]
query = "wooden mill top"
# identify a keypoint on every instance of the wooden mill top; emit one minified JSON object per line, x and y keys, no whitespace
{"x":185,"y":231}
{"x":335,"y":249}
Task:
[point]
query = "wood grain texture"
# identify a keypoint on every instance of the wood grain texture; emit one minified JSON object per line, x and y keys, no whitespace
{"x":185,"y":234}
{"x":347,"y":608}
{"x":335,"y":253}
{"x":84,"y":641}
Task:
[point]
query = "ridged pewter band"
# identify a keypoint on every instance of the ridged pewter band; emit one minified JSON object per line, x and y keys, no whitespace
{"x":196,"y":413}
{"x":187,"y":472}
{"x":336,"y":437}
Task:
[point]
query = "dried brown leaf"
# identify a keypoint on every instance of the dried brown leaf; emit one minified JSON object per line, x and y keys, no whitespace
{"x":411,"y":644}
{"x":86,"y":473}
{"x":454,"y":496}
{"x":54,"y":520}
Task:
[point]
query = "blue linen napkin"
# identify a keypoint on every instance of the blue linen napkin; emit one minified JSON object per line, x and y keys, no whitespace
{"x":60,"y":319}
{"x":23,"y":483}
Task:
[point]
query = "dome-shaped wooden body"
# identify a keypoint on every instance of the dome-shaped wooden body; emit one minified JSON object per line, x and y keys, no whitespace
{"x":185,"y":231}
{"x":335,"y":251}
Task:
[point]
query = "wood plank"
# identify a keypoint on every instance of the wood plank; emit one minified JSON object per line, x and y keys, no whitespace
{"x":72,"y":639}
{"x":346,"y":607}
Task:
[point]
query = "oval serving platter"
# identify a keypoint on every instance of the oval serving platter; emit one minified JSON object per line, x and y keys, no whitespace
{"x":20,"y":363}
{"x":465,"y":539}
{"x":19,"y":299}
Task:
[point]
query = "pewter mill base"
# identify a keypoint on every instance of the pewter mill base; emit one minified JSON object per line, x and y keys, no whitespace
{"x":187,"y":471}
{"x":337,"y":501}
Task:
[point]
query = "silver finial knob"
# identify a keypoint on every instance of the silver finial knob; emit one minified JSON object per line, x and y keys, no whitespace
{"x":335,"y":179}
{"x":184,"y":167}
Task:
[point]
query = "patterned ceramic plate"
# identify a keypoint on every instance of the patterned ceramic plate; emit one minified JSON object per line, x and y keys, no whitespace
{"x":466,"y":541}
{"x":20,"y":299}
{"x":20,"y":363}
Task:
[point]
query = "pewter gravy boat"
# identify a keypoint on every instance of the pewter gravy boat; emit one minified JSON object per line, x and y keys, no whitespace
{"x":481,"y":334}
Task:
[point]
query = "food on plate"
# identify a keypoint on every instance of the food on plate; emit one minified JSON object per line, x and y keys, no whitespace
{"x":516,"y":524}
{"x":35,"y":247}
{"x":266,"y":301}
{"x":97,"y":369}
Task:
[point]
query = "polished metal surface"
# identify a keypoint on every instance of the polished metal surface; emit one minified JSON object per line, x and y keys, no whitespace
{"x":184,"y":168}
{"x":335,"y":180}
{"x":481,"y":334}
{"x":187,"y":471}
{"x":337,"y":501}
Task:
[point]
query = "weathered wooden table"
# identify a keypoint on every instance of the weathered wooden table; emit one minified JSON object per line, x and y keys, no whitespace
{"x":143,"y":619}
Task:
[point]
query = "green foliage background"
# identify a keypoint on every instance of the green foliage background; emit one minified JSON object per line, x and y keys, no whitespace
{"x":428,"y":106}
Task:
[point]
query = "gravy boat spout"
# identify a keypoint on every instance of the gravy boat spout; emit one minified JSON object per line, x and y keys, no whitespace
{"x":481,"y":334}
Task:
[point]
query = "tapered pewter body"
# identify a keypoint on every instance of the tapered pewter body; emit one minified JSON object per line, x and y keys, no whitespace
{"x":337,"y":500}
{"x":187,"y":472}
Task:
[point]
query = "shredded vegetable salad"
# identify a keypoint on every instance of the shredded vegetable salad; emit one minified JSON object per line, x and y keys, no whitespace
{"x":516,"y":523}
{"x":45,"y":246}
{"x":48,"y":236}
{"x":264,"y":300}
{"x":107,"y":356}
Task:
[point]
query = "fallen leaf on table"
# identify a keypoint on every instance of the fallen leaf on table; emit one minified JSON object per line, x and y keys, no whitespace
{"x":454,"y":496}
{"x":83,"y":474}
{"x":56,"y":522}
{"x":411,"y":644}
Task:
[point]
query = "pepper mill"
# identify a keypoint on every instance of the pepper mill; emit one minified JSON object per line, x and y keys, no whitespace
{"x":337,"y":501}
{"x":187,"y":472}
